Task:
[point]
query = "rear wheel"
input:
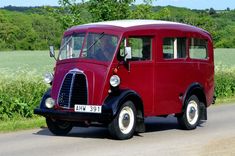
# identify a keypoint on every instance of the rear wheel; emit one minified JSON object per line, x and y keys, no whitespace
{"x":190,"y":118}
{"x":58,"y":127}
{"x":123,"y":125}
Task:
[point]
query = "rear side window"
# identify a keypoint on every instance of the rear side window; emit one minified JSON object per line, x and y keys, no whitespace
{"x":198,"y":48}
{"x":174,"y":48}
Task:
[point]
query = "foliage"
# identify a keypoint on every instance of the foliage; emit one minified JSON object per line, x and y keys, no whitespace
{"x":142,"y":11}
{"x":224,"y":82}
{"x":103,"y":10}
{"x":28,"y":31}
{"x":20,"y":93}
{"x":219,"y":24}
{"x":69,"y":14}
{"x":36,"y":28}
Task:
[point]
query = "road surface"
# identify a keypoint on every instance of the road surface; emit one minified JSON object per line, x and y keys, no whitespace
{"x":216,"y":137}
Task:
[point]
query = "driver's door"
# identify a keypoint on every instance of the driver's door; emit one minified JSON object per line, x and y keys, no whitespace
{"x":138,"y":75}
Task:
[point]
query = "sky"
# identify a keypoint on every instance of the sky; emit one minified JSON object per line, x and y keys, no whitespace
{"x":192,"y":4}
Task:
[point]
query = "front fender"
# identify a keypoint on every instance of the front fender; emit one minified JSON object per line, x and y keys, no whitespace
{"x":46,"y":95}
{"x":114,"y":101}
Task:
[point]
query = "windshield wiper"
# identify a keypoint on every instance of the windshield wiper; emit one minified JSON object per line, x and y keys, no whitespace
{"x":69,"y":39}
{"x":100,"y":36}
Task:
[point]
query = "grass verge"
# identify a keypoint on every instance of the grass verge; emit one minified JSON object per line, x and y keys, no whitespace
{"x":21,"y":124}
{"x":225,"y":100}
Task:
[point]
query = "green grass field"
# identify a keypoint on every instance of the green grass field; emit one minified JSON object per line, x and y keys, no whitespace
{"x":225,"y":57}
{"x":26,"y":60}
{"x":41,"y":62}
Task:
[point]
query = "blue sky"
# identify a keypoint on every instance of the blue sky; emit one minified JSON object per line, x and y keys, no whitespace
{"x":193,"y":4}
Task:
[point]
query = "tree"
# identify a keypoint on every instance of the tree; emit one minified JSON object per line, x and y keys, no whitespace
{"x":73,"y":13}
{"x":103,"y":10}
{"x":163,"y":14}
{"x":70,"y":13}
{"x":142,"y":11}
{"x":212,"y":11}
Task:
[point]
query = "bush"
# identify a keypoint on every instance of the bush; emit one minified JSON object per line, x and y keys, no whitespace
{"x":20,"y":93}
{"x":224,"y":82}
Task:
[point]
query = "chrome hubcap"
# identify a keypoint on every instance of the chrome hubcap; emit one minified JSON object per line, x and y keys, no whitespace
{"x":126,"y":120}
{"x":192,"y":112}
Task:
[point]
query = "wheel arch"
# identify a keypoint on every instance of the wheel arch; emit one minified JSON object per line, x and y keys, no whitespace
{"x":114,"y":102}
{"x":195,"y":89}
{"x":198,"y":90}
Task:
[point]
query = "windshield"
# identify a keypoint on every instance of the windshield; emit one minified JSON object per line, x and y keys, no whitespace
{"x":97,"y":46}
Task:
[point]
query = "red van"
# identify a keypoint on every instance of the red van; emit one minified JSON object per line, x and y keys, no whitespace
{"x":116,"y":73}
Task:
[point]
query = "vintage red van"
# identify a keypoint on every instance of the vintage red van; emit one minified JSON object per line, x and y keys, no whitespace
{"x":117,"y":73}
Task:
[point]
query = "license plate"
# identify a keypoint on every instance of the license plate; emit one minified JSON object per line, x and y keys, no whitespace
{"x":88,"y":108}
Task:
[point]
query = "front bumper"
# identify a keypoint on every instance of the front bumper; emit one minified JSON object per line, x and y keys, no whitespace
{"x":104,"y":117}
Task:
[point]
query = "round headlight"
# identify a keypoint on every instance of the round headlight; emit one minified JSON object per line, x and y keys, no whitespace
{"x":50,"y":102}
{"x":114,"y":81}
{"x":48,"y":78}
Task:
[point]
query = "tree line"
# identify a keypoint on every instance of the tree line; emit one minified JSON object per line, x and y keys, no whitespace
{"x":36,"y":28}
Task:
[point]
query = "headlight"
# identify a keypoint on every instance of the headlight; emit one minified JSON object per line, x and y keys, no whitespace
{"x":48,"y":78}
{"x":114,"y":81}
{"x":50,"y":102}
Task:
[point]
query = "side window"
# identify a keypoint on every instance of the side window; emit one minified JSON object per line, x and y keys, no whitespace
{"x":141,"y":48}
{"x":168,"y":48}
{"x":198,"y":48}
{"x":174,"y":48}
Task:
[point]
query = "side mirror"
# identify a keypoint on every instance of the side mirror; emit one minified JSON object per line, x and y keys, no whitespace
{"x":128,"y":53}
{"x":52,"y":51}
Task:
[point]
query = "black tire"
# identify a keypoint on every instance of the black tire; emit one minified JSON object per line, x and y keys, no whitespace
{"x":58,"y":127}
{"x":190,"y":117}
{"x":124,"y":127}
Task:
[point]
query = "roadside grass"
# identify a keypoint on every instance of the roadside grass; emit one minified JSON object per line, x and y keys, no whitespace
{"x":17,"y":124}
{"x":221,"y":101}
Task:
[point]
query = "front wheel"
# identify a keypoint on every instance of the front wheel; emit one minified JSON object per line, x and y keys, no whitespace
{"x":123,"y":125}
{"x":190,"y":118}
{"x":58,"y":127}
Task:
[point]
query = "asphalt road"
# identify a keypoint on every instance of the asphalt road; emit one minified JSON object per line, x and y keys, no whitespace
{"x":216,"y":137}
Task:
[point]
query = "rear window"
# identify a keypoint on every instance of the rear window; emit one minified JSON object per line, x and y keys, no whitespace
{"x":198,"y":48}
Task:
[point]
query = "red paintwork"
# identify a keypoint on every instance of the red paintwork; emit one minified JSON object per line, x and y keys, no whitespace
{"x":159,"y":82}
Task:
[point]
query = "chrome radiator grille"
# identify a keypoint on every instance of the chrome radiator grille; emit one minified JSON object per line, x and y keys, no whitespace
{"x":73,"y":90}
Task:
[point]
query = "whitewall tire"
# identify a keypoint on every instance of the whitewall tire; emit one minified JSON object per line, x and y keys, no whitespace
{"x":190,"y":118}
{"x":123,"y":125}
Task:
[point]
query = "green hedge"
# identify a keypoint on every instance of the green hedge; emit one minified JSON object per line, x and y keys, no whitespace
{"x":224,"y":82}
{"x":20,"y":93}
